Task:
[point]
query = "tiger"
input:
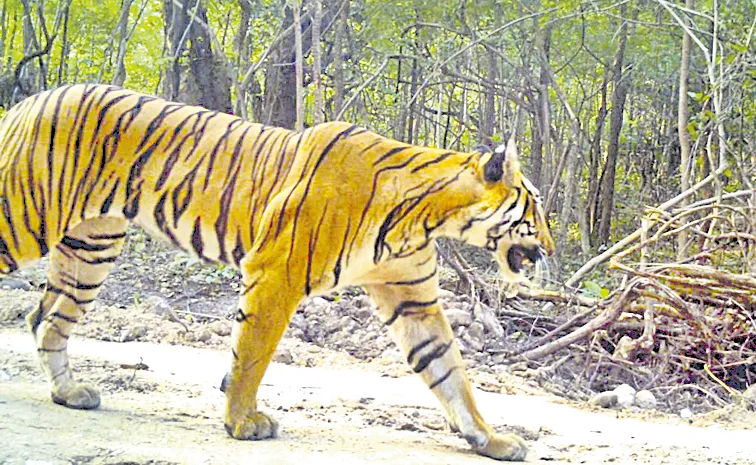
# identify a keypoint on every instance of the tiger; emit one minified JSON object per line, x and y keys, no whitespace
{"x":299,"y":214}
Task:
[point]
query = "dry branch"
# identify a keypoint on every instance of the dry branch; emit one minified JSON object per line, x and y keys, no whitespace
{"x":682,"y":322}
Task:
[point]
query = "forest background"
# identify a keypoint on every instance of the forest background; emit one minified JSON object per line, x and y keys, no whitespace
{"x":615,"y":104}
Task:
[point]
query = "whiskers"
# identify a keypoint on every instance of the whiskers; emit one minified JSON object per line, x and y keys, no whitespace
{"x":541,"y":272}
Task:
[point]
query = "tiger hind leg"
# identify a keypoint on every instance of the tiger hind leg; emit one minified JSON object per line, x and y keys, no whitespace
{"x":79,"y":264}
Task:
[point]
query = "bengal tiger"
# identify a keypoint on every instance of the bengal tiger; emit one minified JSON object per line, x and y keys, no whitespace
{"x":299,"y":214}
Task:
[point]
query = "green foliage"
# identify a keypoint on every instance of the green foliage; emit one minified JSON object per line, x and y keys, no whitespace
{"x":594,"y":289}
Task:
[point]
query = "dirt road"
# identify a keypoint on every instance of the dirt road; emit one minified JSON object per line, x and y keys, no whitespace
{"x":170,"y":413}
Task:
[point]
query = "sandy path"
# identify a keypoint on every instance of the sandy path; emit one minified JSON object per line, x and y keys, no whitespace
{"x":171,"y":414}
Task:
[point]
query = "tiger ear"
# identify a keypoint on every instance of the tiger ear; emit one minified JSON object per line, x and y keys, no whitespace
{"x":493,"y":170}
{"x":503,"y":163}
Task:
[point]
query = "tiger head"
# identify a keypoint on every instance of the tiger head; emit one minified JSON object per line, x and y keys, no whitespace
{"x":504,"y":213}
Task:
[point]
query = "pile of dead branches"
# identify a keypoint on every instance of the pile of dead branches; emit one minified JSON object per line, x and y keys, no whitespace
{"x":684,"y":319}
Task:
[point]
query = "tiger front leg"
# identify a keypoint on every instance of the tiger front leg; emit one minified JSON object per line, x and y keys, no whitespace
{"x":419,"y":327}
{"x":266,"y":305}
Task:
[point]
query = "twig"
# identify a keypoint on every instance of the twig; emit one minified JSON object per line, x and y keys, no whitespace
{"x":603,"y":320}
{"x":613,"y":250}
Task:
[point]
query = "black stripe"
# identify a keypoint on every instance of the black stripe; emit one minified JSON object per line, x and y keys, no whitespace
{"x":37,"y":318}
{"x":74,"y":198}
{"x":136,"y":109}
{"x":109,"y":199}
{"x":78,"y":285}
{"x":214,"y":152}
{"x":221,"y":224}
{"x":279,"y":176}
{"x":131,"y":208}
{"x":167,"y":110}
{"x":162,"y":224}
{"x":76,"y":244}
{"x":521,"y":219}
{"x":238,"y":252}
{"x":412,"y":282}
{"x":7,"y":214}
{"x":63,"y":317}
{"x":249,"y":287}
{"x":42,"y":349}
{"x":60,"y":373}
{"x":180,"y":204}
{"x":313,"y":241}
{"x":113,"y":236}
{"x":51,"y":144}
{"x":30,"y":159}
{"x":399,"y":310}
{"x":134,"y":174}
{"x":418,"y":347}
{"x":337,"y":268}
{"x":241,"y":316}
{"x":426,"y":359}
{"x":438,"y":159}
{"x":469,"y":224}
{"x":443,"y":378}
{"x":6,"y":256}
{"x":91,"y":261}
{"x":78,"y":301}
{"x":59,"y":331}
{"x":390,"y":153}
{"x":197,"y":237}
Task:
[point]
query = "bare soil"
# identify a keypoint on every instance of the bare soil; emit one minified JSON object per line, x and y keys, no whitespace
{"x":339,"y":387}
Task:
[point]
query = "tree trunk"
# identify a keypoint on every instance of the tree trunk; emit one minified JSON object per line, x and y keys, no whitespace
{"x":544,"y":110}
{"x":621,"y":86}
{"x":317,"y":16}
{"x":671,"y":150}
{"x":298,"y":66}
{"x":279,"y":102}
{"x":338,"y":58}
{"x":488,"y":113}
{"x":195,"y":74}
{"x":411,"y":111}
{"x":30,"y":72}
{"x":120,"y":74}
{"x":682,"y":127}
{"x":65,"y":46}
{"x":241,"y":49}
{"x":595,"y":161}
{"x":536,"y":147}
{"x":3,"y":27}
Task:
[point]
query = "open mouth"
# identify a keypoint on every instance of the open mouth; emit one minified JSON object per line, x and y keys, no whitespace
{"x":518,"y":256}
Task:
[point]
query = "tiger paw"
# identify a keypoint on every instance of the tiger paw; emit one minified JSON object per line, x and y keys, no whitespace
{"x":78,"y":396}
{"x":504,"y":447}
{"x":256,"y":426}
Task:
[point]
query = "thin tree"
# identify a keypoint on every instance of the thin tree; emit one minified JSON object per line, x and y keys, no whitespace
{"x":299,"y":72}
{"x":317,"y":18}
{"x":683,"y":114}
{"x":120,"y":74}
{"x":338,"y":58}
{"x":621,"y":86}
